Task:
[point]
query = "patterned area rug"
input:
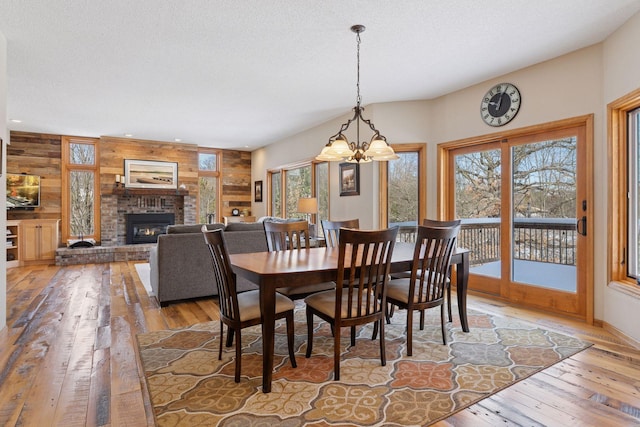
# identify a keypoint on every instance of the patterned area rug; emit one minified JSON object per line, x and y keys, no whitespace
{"x":189,"y":386}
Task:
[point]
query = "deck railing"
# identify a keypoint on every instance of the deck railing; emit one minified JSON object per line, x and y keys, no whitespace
{"x":551,"y":240}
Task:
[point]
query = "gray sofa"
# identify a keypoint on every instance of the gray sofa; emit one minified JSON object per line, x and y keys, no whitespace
{"x":181,"y":263}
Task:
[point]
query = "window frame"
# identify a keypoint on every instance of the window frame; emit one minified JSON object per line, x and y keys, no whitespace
{"x":67,"y":168}
{"x":211,"y":174}
{"x":618,"y":202}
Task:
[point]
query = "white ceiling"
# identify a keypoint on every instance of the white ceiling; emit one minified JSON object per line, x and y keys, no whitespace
{"x":245,"y":73}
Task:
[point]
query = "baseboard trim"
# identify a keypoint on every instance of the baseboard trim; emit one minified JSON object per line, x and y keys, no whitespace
{"x":620,"y":335}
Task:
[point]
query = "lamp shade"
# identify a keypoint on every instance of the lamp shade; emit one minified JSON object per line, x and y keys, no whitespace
{"x":308,"y":205}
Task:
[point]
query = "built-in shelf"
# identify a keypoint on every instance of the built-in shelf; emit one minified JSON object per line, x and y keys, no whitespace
{"x":149,"y":192}
{"x":13,"y":254}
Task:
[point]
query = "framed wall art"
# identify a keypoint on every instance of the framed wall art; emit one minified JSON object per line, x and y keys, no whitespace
{"x":150,"y":174}
{"x":258,"y":191}
{"x":349,"y":179}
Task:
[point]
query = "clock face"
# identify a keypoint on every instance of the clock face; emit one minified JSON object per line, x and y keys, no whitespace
{"x":500,"y":104}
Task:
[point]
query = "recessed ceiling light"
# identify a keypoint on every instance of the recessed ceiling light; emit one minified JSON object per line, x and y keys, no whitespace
{"x":16,"y":121}
{"x":128,"y":135}
{"x":177,"y":140}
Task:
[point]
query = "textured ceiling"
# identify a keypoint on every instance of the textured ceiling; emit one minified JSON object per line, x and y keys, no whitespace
{"x":242,"y":74}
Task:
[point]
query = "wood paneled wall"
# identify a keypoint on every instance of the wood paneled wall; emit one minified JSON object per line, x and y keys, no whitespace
{"x":113,"y":152}
{"x":38,"y":154}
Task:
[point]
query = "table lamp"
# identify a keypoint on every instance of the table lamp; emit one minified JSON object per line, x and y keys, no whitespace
{"x":309,"y":206}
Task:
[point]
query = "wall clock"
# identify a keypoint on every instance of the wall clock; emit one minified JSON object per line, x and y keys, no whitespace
{"x":235,"y":212}
{"x":500,"y":104}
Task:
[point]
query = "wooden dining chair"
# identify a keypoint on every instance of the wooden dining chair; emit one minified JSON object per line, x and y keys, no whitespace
{"x":331,"y":230}
{"x":241,"y":310}
{"x":406,"y":274}
{"x":425,"y":288}
{"x":295,"y":236}
{"x":364,"y":259}
{"x":437,"y":223}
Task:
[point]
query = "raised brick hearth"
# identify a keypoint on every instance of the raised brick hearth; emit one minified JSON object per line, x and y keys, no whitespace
{"x":113,"y":211}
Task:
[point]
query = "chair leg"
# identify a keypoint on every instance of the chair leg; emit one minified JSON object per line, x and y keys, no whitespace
{"x":309,"y":333}
{"x":444,"y":335}
{"x":336,"y":354}
{"x":422,"y":320}
{"x":375,"y":331}
{"x":290,"y":338}
{"x":230,"y":333}
{"x":449,"y":300}
{"x":238,"y":355}
{"x":409,"y":332}
{"x":221,"y":339}
{"x":389,"y":313}
{"x":353,"y":336}
{"x":383,"y":354}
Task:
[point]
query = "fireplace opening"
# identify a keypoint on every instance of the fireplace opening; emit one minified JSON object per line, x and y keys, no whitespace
{"x":145,"y":228}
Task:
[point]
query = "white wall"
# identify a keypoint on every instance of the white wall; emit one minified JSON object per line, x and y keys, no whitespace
{"x":4,"y":134}
{"x":573,"y":85}
{"x":621,"y":66}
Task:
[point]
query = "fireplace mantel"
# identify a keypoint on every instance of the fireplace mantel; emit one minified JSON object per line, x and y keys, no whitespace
{"x":121,"y":191}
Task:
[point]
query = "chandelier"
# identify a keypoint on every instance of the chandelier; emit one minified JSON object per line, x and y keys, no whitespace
{"x":340,"y":149}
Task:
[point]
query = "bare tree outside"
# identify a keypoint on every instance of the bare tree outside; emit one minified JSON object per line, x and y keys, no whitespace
{"x":82,"y":185}
{"x":208,"y":193}
{"x":322,"y":192}
{"x":544,"y":179}
{"x":207,"y":187}
{"x":276,"y":194}
{"x":403,"y":189}
{"x":298,"y":186}
{"x":477,"y":184}
{"x":543,"y":189}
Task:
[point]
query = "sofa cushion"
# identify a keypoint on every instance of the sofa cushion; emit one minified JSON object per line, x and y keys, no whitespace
{"x":278,"y":219}
{"x":244,"y":226}
{"x":194,"y":228}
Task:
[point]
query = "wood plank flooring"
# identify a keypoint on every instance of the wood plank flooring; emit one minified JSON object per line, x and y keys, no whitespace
{"x":68,"y":357}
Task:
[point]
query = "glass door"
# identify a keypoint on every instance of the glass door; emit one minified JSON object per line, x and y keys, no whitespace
{"x":523,"y":205}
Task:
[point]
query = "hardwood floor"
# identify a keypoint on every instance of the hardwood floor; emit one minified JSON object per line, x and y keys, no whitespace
{"x":68,"y":357}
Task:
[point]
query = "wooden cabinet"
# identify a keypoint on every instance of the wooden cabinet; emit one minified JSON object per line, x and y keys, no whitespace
{"x":13,"y":246}
{"x":39,"y":240}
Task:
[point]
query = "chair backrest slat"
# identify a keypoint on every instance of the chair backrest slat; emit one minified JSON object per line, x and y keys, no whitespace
{"x":223,"y":274}
{"x":287,"y":235}
{"x":331,"y":230}
{"x":364,"y":260}
{"x":431,"y":261}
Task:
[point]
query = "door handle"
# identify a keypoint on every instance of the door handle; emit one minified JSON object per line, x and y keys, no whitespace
{"x":582,"y":221}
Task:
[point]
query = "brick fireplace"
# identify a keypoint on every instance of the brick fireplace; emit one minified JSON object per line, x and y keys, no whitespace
{"x":114,"y":209}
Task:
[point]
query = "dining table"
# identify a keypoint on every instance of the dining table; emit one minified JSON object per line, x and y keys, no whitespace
{"x":290,"y":268}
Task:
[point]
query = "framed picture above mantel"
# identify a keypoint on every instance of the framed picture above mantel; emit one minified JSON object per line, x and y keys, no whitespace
{"x":150,"y":174}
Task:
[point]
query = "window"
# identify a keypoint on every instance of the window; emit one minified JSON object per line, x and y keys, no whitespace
{"x":322,"y":192}
{"x":624,"y":195}
{"x":208,"y":186}
{"x":297,"y":186}
{"x":275,"y":185}
{"x":287,"y":185}
{"x":403,"y":196}
{"x":80,"y":189}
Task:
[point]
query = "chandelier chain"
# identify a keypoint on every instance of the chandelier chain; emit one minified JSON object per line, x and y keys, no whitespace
{"x":358,"y":98}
